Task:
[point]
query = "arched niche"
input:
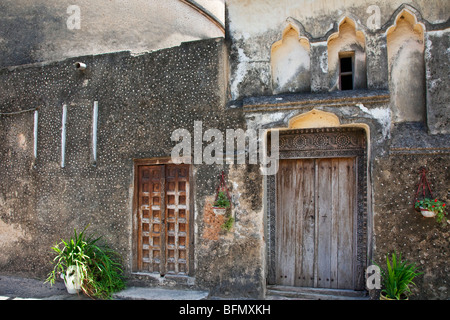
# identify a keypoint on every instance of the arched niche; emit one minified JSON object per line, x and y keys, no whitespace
{"x":290,"y":62}
{"x":314,"y":119}
{"x":347,"y":44}
{"x":405,"y":47}
{"x":322,"y":119}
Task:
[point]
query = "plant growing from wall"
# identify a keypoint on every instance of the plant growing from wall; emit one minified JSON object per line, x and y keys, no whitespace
{"x":98,"y":272}
{"x":397,"y":278}
{"x":228,"y":224}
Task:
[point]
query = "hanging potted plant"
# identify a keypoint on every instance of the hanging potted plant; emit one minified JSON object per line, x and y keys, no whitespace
{"x":221,"y":204}
{"x":397,"y":278}
{"x":222,"y":201}
{"x":431,"y":208}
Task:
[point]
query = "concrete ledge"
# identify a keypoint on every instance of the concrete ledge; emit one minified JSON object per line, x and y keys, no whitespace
{"x":294,"y":101}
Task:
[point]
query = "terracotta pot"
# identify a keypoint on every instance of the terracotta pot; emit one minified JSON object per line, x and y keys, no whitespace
{"x":427,"y":213}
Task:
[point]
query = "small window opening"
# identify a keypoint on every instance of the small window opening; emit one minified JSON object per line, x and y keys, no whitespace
{"x":346,"y":70}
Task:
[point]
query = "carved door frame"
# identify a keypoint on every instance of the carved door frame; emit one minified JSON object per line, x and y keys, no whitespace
{"x":318,"y":143}
{"x":163,"y":163}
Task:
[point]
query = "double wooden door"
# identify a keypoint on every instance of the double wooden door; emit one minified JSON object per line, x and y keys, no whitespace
{"x":316,"y":223}
{"x":162,"y":219}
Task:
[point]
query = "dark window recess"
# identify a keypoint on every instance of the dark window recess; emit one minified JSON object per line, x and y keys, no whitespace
{"x":346,"y":73}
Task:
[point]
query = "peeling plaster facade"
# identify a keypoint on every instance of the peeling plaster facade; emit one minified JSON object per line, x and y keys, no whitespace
{"x":277,"y":68}
{"x":51,"y":30}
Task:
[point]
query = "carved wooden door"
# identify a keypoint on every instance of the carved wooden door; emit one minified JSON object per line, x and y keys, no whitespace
{"x":315,"y":223}
{"x":162,"y":222}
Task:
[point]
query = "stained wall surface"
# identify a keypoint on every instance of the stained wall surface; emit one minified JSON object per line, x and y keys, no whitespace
{"x":276,"y":68}
{"x":50,"y":30}
{"x":401,"y":57}
{"x":141,"y":101}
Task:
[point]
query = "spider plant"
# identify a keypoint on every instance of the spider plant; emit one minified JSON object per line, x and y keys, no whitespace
{"x":99,"y":272}
{"x":398,"y":277}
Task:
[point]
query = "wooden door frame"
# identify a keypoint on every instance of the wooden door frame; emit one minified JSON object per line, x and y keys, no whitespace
{"x":315,"y":143}
{"x":134,"y":233}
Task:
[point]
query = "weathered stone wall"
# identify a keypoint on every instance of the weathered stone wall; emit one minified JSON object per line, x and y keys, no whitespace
{"x":254,"y":26}
{"x":403,"y":106}
{"x":399,"y":227}
{"x":51,"y":30}
{"x":437,"y":57}
{"x":141,"y":100}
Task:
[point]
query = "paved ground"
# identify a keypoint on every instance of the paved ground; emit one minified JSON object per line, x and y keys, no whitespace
{"x":15,"y":288}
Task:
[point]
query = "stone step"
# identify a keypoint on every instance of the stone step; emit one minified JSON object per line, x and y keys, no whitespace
{"x":148,"y":293}
{"x":286,"y":292}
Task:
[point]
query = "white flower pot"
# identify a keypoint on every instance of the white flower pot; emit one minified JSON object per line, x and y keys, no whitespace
{"x":220,"y":211}
{"x":427,"y":213}
{"x":72,"y":280}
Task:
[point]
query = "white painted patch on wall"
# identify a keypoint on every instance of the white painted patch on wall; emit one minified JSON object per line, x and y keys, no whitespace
{"x":324,"y":62}
{"x":35,"y":133}
{"x":10,"y":234}
{"x":63,"y":136}
{"x":438,"y":33}
{"x":428,"y":54}
{"x":382,"y":115}
{"x":258,"y":120}
{"x":94,"y":131}
{"x":240,"y":73}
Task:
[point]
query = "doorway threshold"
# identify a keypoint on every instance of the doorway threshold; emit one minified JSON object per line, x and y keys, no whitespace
{"x":277,"y":292}
{"x":155,"y":279}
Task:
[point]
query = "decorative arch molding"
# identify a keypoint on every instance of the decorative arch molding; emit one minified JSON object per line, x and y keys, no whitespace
{"x":299,"y":27}
{"x":408,"y":16}
{"x":318,"y":119}
{"x":405,"y":48}
{"x":334,"y":29}
{"x":342,"y":21}
{"x":348,"y":41}
{"x":290,"y":30}
{"x":411,"y":11}
{"x":290,"y":61}
{"x":314,"y":119}
{"x":363,"y":28}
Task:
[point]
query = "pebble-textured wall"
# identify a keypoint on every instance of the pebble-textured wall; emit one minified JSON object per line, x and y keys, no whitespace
{"x":141,"y":100}
{"x":398,"y":226}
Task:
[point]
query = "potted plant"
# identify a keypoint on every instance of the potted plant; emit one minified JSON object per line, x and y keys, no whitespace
{"x":397,"y":278}
{"x":221,"y":204}
{"x":85,"y":265}
{"x":72,"y":279}
{"x":432,"y":208}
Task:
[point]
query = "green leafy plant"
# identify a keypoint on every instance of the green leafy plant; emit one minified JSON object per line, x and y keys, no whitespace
{"x":228,"y":224}
{"x":99,"y":272}
{"x":433,"y":205}
{"x":398,"y":277}
{"x":222,"y":200}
